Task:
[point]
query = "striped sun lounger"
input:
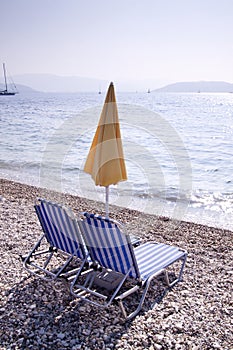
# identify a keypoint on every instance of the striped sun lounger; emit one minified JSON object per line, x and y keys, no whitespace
{"x":120,"y":263}
{"x":60,"y":243}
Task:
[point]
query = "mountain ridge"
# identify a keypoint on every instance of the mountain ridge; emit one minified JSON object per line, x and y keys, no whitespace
{"x":19,"y":88}
{"x":56,"y":83}
{"x":197,"y":86}
{"x":67,"y":84}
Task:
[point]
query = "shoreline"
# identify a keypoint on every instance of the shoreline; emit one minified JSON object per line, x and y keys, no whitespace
{"x":195,"y":314}
{"x":204,"y":218}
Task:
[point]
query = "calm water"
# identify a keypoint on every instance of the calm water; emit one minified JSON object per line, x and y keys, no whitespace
{"x":178,"y":149}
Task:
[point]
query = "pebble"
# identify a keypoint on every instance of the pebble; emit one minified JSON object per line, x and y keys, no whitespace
{"x":61,"y":335}
{"x":35,"y":314}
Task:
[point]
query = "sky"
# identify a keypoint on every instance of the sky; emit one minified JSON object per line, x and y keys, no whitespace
{"x":121,"y":40}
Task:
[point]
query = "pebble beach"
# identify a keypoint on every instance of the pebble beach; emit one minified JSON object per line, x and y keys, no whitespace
{"x":34,"y":314}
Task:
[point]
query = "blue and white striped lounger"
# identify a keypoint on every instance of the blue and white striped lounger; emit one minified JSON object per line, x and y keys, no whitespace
{"x":111,"y":248}
{"x":61,"y":235}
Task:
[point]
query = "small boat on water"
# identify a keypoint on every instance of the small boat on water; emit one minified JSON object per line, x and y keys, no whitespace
{"x":6,"y":91}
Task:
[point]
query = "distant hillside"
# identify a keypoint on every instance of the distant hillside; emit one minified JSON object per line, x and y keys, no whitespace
{"x":19,"y":87}
{"x":24,"y":88}
{"x":55,"y":83}
{"x":198,"y":86}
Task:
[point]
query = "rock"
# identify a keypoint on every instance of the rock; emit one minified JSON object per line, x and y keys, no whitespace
{"x":61,"y":335}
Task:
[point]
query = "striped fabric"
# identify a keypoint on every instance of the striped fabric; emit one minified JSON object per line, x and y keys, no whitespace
{"x":152,"y":257}
{"x":60,"y":228}
{"x":108,"y":245}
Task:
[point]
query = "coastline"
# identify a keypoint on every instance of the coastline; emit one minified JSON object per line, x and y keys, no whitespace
{"x":195,"y":314}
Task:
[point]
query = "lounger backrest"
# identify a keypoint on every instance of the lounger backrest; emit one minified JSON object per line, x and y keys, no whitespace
{"x":108,"y":245}
{"x":60,"y":227}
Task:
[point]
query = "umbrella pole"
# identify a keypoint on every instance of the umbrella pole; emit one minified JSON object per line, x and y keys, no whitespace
{"x":107,"y":201}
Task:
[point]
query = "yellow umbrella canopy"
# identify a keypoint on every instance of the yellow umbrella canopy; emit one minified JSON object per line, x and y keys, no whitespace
{"x":105,"y":161}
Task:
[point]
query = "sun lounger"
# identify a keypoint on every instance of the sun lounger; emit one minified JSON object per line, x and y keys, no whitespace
{"x":123,"y":269}
{"x":60,"y":244}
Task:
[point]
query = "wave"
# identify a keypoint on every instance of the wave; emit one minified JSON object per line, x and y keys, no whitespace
{"x":213,"y":201}
{"x":68,"y":173}
{"x":17,"y":165}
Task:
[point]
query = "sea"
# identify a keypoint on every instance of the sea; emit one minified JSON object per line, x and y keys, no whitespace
{"x":177,"y":148}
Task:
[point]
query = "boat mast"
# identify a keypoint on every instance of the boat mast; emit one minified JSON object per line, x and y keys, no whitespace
{"x":4,"y":72}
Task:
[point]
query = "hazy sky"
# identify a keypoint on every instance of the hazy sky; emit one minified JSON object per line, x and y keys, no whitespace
{"x":171,"y":40}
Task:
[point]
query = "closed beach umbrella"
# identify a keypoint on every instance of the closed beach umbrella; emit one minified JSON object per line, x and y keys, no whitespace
{"x":105,"y":161}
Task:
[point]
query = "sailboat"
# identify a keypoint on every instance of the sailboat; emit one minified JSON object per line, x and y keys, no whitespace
{"x":6,"y":92}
